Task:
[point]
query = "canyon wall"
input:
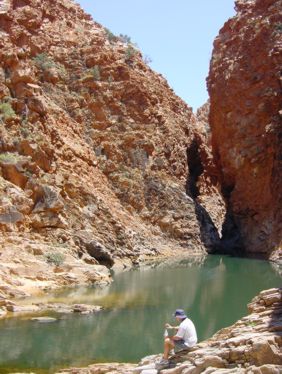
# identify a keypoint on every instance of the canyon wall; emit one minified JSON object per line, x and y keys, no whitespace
{"x":100,"y":161}
{"x":245,"y":116}
{"x":94,"y":148}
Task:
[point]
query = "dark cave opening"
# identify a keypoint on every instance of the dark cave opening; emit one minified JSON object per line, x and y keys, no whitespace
{"x":208,"y":231}
{"x":230,"y":242}
{"x":195,"y":169}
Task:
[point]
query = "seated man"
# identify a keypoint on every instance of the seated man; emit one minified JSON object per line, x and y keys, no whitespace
{"x":185,"y":337}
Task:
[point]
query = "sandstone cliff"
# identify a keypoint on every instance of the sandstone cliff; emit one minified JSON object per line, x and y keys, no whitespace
{"x":245,"y":117}
{"x":94,"y":148}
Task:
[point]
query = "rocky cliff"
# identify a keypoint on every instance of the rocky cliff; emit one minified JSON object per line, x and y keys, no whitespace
{"x":100,"y":160}
{"x":245,"y":117}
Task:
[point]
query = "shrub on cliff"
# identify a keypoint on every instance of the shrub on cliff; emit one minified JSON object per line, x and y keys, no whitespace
{"x":125,"y":38}
{"x":147,"y":59}
{"x":96,"y":73}
{"x":110,"y":36}
{"x":44,"y":62}
{"x":6,"y":111}
{"x":90,"y":74}
{"x":9,"y":157}
{"x":55,"y":258}
{"x":130,"y":53}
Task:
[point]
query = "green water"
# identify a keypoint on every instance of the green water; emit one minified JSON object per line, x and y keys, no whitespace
{"x":214,"y":292}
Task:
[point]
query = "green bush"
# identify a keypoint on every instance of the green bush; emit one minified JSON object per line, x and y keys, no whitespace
{"x":125,"y":38}
{"x":110,"y":36}
{"x":6,"y":111}
{"x":55,"y":258}
{"x":130,"y":53}
{"x":9,"y":157}
{"x":93,"y":73}
{"x":44,"y":62}
{"x":25,"y":132}
{"x":96,"y":73}
{"x":62,"y":71}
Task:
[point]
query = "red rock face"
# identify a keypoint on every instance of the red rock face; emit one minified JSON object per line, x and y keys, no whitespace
{"x":94,"y":145}
{"x":245,"y":97}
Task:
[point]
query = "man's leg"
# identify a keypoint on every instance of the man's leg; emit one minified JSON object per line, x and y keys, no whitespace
{"x":168,"y":345}
{"x":179,"y":346}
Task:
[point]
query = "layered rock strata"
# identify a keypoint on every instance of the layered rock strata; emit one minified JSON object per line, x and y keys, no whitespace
{"x":251,"y":345}
{"x":245,"y":117}
{"x":94,"y":148}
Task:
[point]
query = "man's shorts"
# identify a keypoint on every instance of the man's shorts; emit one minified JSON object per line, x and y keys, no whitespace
{"x":179,"y":345}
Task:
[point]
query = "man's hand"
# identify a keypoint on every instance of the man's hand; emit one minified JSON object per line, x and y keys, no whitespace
{"x":168,"y":326}
{"x":175,"y":337}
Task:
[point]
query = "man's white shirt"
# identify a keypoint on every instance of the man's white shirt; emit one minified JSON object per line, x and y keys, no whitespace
{"x":187,"y":332}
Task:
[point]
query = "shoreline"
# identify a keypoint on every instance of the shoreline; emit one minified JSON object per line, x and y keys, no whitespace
{"x":42,"y":298}
{"x":26,"y":306}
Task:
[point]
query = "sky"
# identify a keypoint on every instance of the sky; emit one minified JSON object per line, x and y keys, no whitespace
{"x":177,"y":36}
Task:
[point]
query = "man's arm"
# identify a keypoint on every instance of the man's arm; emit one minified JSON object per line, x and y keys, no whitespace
{"x":180,"y":334}
{"x":168,"y":326}
{"x":175,"y":337}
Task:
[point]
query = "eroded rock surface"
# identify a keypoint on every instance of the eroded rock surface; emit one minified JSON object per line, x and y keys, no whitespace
{"x":93,"y":152}
{"x":245,"y":117}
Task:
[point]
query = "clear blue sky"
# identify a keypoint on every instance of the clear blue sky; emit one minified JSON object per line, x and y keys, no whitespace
{"x":177,"y":35}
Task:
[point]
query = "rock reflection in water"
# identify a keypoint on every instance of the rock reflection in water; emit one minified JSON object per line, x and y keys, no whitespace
{"x":214,"y":292}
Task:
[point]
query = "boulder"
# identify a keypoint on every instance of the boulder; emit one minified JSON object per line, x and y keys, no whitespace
{"x":5,"y":302}
{"x":3,"y":312}
{"x":47,"y":198}
{"x":47,"y":219}
{"x":86,"y":309}
{"x":265,"y":369}
{"x":14,"y":172}
{"x":23,"y":308}
{"x":98,"y":251}
{"x":38,"y":155}
{"x":10,"y":215}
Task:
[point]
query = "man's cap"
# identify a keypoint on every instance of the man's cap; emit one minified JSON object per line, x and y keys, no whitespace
{"x":179,"y":313}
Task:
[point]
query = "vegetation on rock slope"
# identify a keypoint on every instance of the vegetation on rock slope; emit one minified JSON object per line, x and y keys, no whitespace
{"x":97,"y":146}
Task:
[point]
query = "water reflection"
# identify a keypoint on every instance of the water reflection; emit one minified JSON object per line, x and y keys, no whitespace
{"x":214,"y":292}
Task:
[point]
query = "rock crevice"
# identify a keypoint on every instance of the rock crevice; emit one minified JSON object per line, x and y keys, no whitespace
{"x":244,"y":84}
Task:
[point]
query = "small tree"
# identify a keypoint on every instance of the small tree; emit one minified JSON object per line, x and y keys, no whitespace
{"x":147,"y":59}
{"x":125,"y":38}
